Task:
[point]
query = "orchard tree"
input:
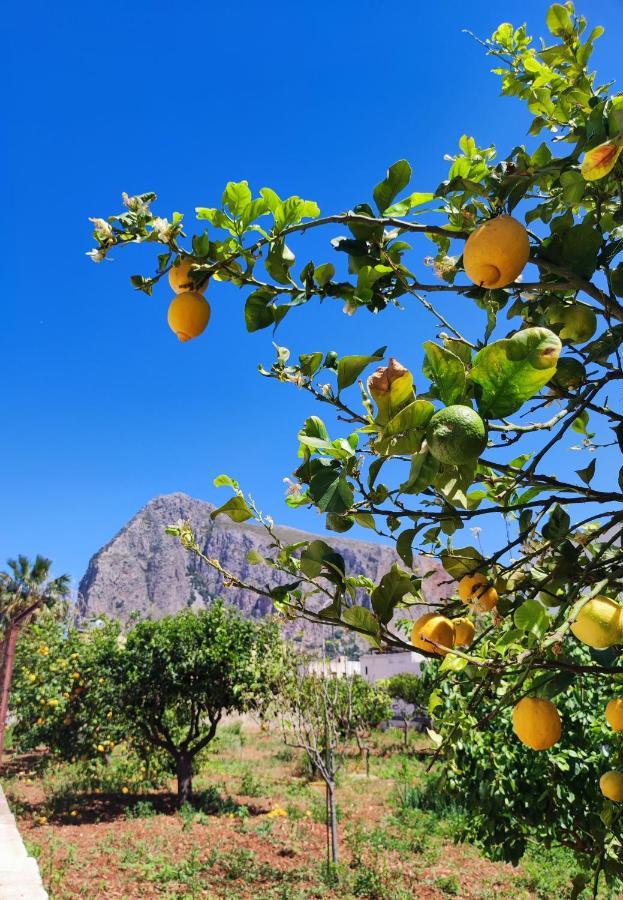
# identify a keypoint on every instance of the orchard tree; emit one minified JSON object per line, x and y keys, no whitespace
{"x":64,"y":696}
{"x":410,"y":694}
{"x":25,"y":590}
{"x":321,"y":715}
{"x":367,"y":707}
{"x":176,"y":677}
{"x":532,"y":244}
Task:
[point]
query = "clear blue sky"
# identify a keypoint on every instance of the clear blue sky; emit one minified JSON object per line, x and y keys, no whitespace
{"x":103,"y":408}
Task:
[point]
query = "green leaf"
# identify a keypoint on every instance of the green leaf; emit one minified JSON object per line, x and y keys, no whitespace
{"x":532,"y":617}
{"x":453,"y":663}
{"x":397,"y":178}
{"x":424,"y":469}
{"x":460,"y":562}
{"x":588,"y":473}
{"x":389,"y":592}
{"x":361,"y":618}
{"x":279,"y":261}
{"x":349,"y":368}
{"x":580,"y":424}
{"x":573,"y":186}
{"x":331,"y":492}
{"x":559,"y":21}
{"x":226,"y":481}
{"x":411,"y":202}
{"x":310,"y":363}
{"x":318,"y":557}
{"x":259,"y":310}
{"x":511,"y":371}
{"x":255,"y":558}
{"x":236,"y":508}
{"x":557,"y":525}
{"x":236,"y":197}
{"x":446,"y":371}
{"x":323,"y":274}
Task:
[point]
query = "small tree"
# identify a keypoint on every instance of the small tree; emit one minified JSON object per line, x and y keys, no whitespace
{"x":64,"y":695}
{"x":409,"y":696}
{"x":367,"y":706}
{"x":176,"y":677}
{"x":320,"y":715}
{"x":24,"y":590}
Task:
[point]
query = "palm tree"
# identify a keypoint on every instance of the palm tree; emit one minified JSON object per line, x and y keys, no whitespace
{"x":24,"y":590}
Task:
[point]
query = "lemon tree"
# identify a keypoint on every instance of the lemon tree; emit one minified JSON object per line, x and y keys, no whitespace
{"x":470,"y":434}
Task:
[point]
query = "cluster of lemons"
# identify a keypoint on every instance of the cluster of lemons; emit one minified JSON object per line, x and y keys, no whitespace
{"x":536,"y":721}
{"x":494,"y":256}
{"x":189,"y":311}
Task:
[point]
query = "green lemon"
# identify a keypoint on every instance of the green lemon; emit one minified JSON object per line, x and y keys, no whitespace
{"x":570,"y":373}
{"x":456,"y":435}
{"x":578,"y":320}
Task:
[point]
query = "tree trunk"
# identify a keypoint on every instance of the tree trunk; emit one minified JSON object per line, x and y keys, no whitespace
{"x":184,"y":766}
{"x":7,"y":675}
{"x":406,"y":731}
{"x":332,"y":822}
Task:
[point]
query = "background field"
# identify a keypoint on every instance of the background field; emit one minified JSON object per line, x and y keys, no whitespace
{"x":256,"y":829}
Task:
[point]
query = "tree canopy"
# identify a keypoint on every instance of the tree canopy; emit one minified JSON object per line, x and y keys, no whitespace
{"x":468,"y":442}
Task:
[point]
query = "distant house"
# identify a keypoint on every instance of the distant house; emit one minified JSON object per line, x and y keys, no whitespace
{"x":341,"y":667}
{"x":376,"y":666}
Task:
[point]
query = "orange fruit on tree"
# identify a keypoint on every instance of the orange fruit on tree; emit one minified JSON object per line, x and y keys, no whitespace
{"x":432,"y":629}
{"x":599,"y":623}
{"x":476,"y":591}
{"x":180,"y":278}
{"x":536,"y":723}
{"x":614,"y":714}
{"x":496,"y":252}
{"x":189,"y":314}
{"x":464,"y":631}
{"x":611,"y":786}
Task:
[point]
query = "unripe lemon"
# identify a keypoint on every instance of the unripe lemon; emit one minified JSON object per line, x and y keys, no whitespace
{"x":614,"y":714}
{"x":536,"y":723}
{"x":611,"y":786}
{"x":599,"y":623}
{"x":456,"y":435}
{"x":496,"y":252}
{"x":433,"y":627}
{"x":189,"y":314}
{"x":464,"y":631}
{"x":476,"y":591}
{"x":180,"y":278}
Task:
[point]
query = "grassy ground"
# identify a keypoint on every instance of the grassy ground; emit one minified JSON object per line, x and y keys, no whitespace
{"x":256,"y":831}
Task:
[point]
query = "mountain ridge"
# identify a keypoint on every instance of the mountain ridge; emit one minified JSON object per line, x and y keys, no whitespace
{"x":142,"y":570}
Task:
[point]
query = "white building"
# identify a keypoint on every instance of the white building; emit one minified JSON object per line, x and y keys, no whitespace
{"x":376,"y":666}
{"x":341,"y":667}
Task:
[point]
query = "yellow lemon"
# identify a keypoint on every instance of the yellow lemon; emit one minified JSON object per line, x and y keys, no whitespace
{"x":189,"y":314}
{"x":614,"y":714}
{"x":464,"y":631}
{"x":433,"y":627}
{"x":599,"y":623}
{"x":476,"y":591}
{"x":611,"y":786}
{"x":180,"y":278}
{"x":124,"y":790}
{"x":536,"y":723}
{"x":101,"y":748}
{"x":496,"y":252}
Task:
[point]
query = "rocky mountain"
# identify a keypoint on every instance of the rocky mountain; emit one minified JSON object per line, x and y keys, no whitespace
{"x":143,"y":570}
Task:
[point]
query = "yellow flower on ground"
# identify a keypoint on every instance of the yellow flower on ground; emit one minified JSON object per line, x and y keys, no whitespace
{"x":42,"y":820}
{"x":278,"y":811}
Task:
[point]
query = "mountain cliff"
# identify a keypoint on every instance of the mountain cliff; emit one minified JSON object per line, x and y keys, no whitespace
{"x":143,"y":570}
